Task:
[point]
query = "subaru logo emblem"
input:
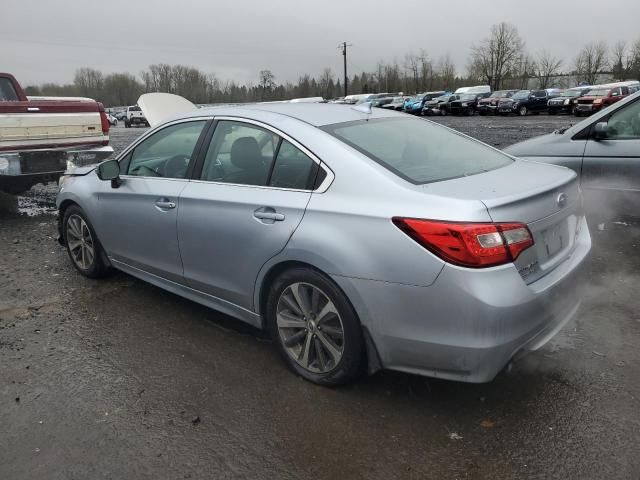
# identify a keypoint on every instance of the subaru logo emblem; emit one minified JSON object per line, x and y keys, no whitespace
{"x":561,"y":200}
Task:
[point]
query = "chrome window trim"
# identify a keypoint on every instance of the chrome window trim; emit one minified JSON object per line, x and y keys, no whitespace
{"x":321,"y":188}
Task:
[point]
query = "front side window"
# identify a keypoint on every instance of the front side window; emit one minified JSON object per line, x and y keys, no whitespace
{"x":625,"y":122}
{"x":7,"y":92}
{"x":417,"y":151}
{"x":240,"y":153}
{"x":167,"y":153}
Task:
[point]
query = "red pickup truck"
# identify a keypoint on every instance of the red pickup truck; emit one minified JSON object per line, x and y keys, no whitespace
{"x":41,"y":137}
{"x":601,"y":96}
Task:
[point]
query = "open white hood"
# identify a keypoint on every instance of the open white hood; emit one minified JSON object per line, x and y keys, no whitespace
{"x":158,"y":107}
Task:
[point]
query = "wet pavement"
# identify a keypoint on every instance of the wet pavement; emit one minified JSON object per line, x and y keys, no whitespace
{"x":117,"y":379}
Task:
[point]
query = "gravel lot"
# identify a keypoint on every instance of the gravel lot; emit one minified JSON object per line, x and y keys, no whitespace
{"x":117,"y":379}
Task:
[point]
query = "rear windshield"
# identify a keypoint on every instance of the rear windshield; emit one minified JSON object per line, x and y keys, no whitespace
{"x":7,"y":92}
{"x":418,"y":151}
{"x":134,"y":109}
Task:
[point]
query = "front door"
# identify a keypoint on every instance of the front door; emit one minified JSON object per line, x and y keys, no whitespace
{"x":249,"y":197}
{"x":137,"y":220}
{"x":611,"y":166}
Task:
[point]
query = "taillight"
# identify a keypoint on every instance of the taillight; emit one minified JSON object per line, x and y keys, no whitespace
{"x":474,"y":245}
{"x":103,"y":120}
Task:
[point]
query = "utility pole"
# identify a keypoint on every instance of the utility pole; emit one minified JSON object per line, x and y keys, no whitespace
{"x":344,"y":46}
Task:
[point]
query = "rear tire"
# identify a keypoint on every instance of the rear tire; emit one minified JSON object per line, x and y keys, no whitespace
{"x":316,"y":329}
{"x":83,"y":247}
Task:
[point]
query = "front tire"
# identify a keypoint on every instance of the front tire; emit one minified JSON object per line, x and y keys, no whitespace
{"x":315,"y":327}
{"x":83,"y":246}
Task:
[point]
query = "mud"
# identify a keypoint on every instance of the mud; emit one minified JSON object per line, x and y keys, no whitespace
{"x":117,"y":379}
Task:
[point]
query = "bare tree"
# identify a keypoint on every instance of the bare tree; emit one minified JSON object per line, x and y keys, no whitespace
{"x":621,"y":60}
{"x":89,"y":82}
{"x":267,"y":82}
{"x":591,"y":61}
{"x":446,"y":72}
{"x":523,"y":69}
{"x":547,"y":67}
{"x":411,"y":66}
{"x":326,"y":83}
{"x":496,"y":55}
{"x":634,"y":60}
{"x":426,"y":71}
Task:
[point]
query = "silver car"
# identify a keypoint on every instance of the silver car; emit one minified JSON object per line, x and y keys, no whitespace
{"x":361,"y":239}
{"x":604,"y":150}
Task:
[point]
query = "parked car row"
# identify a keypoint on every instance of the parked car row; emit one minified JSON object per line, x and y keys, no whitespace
{"x":582,"y":100}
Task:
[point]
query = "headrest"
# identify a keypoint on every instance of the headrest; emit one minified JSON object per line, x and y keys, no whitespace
{"x":245,"y":153}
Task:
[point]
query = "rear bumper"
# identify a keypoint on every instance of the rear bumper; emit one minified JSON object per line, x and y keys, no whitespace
{"x":470,"y":323}
{"x":19,"y":171}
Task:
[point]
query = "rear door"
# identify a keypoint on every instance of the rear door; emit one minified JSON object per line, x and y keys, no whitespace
{"x":611,"y":166}
{"x":137,"y":220}
{"x":248,"y":196}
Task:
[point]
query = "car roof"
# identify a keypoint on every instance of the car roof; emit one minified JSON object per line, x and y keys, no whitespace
{"x":316,"y":114}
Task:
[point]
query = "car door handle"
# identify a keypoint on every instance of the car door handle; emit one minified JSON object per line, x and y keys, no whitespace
{"x":274,"y":216}
{"x":165,"y":204}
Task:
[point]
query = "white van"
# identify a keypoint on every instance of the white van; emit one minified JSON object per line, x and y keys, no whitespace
{"x":477,"y":90}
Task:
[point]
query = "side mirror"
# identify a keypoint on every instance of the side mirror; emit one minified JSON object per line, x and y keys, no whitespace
{"x":110,"y":171}
{"x":601,"y":131}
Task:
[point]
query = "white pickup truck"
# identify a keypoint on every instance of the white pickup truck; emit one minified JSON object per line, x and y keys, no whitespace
{"x":41,"y":137}
{"x":135,"y":116}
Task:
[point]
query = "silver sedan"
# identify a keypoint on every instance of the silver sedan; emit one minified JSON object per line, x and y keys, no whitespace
{"x":360,"y":239}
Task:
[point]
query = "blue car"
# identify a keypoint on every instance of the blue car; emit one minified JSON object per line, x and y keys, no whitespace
{"x":414,"y":105}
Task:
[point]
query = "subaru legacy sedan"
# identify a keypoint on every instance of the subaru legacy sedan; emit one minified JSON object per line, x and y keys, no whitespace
{"x":362,"y":239}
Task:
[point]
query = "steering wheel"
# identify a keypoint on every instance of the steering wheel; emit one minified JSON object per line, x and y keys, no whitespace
{"x":176,"y":166}
{"x":144,"y":171}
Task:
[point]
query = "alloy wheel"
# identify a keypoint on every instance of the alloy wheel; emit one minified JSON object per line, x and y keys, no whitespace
{"x":80,"y":242}
{"x":310,"y":327}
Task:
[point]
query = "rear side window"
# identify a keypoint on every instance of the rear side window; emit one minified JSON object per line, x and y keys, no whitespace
{"x":418,"y":151}
{"x":7,"y":92}
{"x":240,"y":153}
{"x":293,"y":169}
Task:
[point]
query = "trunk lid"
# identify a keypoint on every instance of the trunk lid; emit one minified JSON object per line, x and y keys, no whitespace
{"x":546,"y":198}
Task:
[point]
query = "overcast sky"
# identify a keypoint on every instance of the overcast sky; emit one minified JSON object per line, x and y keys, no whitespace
{"x":46,"y":40}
